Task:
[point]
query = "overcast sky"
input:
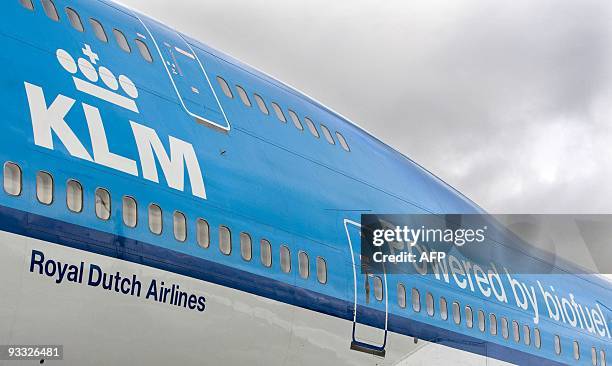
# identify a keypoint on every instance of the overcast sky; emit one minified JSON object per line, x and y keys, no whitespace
{"x":508,"y":101}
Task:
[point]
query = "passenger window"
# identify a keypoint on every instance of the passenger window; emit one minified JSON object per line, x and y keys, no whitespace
{"x":122,"y":41}
{"x":75,"y":19}
{"x":378,"y":288}
{"x":27,"y":4}
{"x":516,"y":331}
{"x":246,"y":246}
{"x":593,"y":356}
{"x":180,"y":226}
{"x":203,"y":233}
{"x":481,"y":320}
{"x":279,"y":112}
{"x":537,"y":338}
{"x":576,"y":350}
{"x":50,"y":10}
{"x":443,"y":309}
{"x":429,"y":304}
{"x":505,"y":330}
{"x":225,"y":87}
{"x":261,"y":104}
{"x":602,"y":355}
{"x":342,"y":141}
{"x":155,"y":219}
{"x":416,"y":300}
{"x":558,"y":345}
{"x":469,"y":317}
{"x":303,"y":264}
{"x":321,"y":270}
{"x":74,"y":196}
{"x":266,"y":253}
{"x":144,"y":50}
{"x":493,"y":324}
{"x":285,"y":259}
{"x":12,"y":179}
{"x":401,"y":295}
{"x":44,"y":188}
{"x":311,"y":127}
{"x":225,"y":240}
{"x":328,"y":135}
{"x":296,"y":120}
{"x":130,"y":211}
{"x":456,"y":313}
{"x":243,"y":96}
{"x":526,"y":335}
{"x":103,"y":204}
{"x":98,"y":30}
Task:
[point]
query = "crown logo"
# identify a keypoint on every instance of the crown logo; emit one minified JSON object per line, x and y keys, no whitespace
{"x":93,"y":75}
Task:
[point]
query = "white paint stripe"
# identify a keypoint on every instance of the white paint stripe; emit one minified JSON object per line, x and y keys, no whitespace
{"x":184,"y":53}
{"x":105,"y":94}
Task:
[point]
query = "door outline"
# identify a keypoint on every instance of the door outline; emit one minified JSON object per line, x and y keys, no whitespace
{"x":356,"y":344}
{"x":163,"y":61}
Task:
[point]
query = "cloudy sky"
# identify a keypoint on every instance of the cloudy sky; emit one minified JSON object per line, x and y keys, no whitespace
{"x":508,"y":101}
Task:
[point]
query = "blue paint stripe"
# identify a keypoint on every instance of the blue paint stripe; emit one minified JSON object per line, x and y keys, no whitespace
{"x":94,"y":241}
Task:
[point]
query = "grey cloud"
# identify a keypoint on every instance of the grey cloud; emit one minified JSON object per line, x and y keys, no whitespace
{"x":508,"y":101}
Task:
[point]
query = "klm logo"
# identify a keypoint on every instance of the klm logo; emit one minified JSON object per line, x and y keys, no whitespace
{"x":49,"y":119}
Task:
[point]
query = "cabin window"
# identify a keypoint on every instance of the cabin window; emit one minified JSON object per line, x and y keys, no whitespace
{"x":103,"y":204}
{"x":122,"y":41}
{"x":311,"y":127}
{"x":557,"y":345}
{"x":416,"y":300}
{"x":285,"y":259}
{"x":593,"y":356}
{"x":303,"y":264}
{"x":401,"y":295}
{"x":75,"y":19}
{"x":225,"y":87}
{"x":469,"y":317}
{"x":98,"y":29}
{"x":225,"y":240}
{"x":493,"y":324}
{"x":243,"y":96}
{"x":12,"y":179}
{"x":321,"y":270}
{"x":443,"y":309}
{"x":342,"y":141}
{"x":537,"y":338}
{"x":505,"y":330}
{"x":576,"y":350}
{"x":74,"y":196}
{"x":516,"y":331}
{"x":526,"y":335}
{"x":481,"y":321}
{"x":261,"y":104}
{"x":429,"y":304}
{"x":179,"y":222}
{"x":144,"y":50}
{"x":130,"y":211}
{"x":246,"y":246}
{"x":296,"y":120}
{"x":202,"y":233}
{"x":378,"y":288}
{"x":44,"y":188}
{"x":279,"y":112}
{"x":155,"y":219}
{"x":456,"y":313}
{"x":265,"y":249}
{"x":50,"y":10}
{"x":27,"y":4}
{"x":328,"y":135}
